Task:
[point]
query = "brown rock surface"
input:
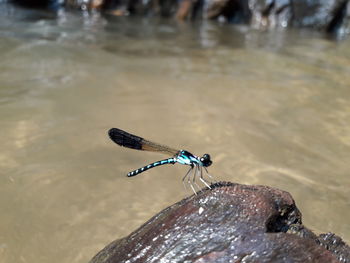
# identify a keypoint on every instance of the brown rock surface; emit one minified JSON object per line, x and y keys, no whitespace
{"x":228,"y":223}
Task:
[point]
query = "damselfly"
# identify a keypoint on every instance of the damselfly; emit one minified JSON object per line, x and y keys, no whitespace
{"x":197,"y":164}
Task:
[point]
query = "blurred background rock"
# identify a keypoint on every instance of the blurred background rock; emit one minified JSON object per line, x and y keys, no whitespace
{"x":331,"y":16}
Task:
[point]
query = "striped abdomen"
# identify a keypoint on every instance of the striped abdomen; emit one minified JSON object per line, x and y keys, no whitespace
{"x":152,"y":165}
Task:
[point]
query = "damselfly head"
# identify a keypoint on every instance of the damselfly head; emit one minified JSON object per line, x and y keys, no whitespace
{"x":205,"y":159}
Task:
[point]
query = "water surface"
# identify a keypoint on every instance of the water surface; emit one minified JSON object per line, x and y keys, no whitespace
{"x":270,"y":107}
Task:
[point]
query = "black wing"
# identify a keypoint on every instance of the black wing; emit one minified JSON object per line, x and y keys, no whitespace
{"x":131,"y":141}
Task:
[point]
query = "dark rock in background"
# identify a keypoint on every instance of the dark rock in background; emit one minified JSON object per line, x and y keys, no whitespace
{"x":235,"y":11}
{"x":331,"y":16}
{"x":272,"y":13}
{"x":228,"y":223}
{"x":42,"y":4}
{"x":190,"y":9}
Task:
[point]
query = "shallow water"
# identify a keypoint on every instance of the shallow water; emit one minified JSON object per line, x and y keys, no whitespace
{"x":271,"y":108}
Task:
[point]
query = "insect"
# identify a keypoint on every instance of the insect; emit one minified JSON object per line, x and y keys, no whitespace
{"x":197,"y":164}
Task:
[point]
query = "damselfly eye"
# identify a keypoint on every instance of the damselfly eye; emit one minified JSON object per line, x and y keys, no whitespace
{"x":206,"y":160}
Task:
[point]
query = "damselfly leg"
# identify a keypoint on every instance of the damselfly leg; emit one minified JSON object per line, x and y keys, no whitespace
{"x":185,"y":177}
{"x":210,"y":177}
{"x":195,"y":174}
{"x":204,"y":181}
{"x":191,"y":176}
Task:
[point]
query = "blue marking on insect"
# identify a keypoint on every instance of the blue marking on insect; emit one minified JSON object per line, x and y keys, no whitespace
{"x":187,"y":158}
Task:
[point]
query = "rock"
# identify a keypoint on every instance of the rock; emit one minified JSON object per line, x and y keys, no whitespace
{"x":278,"y":13}
{"x":331,"y":16}
{"x":335,"y":244}
{"x":235,"y":11}
{"x":228,"y":223}
{"x":184,"y":9}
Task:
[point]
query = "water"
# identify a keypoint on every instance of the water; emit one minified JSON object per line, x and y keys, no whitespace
{"x":270,"y":107}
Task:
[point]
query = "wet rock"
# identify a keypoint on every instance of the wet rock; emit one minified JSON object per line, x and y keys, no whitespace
{"x":272,"y":13}
{"x":339,"y":23}
{"x":332,"y":16}
{"x":318,"y":14}
{"x":228,"y":223}
{"x":190,"y":9}
{"x":47,"y":4}
{"x":164,"y":8}
{"x":184,"y":9}
{"x":329,"y":15}
{"x":235,"y":11}
{"x":335,"y":244}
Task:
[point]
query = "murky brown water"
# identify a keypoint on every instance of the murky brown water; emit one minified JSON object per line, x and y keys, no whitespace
{"x":271,"y":108}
